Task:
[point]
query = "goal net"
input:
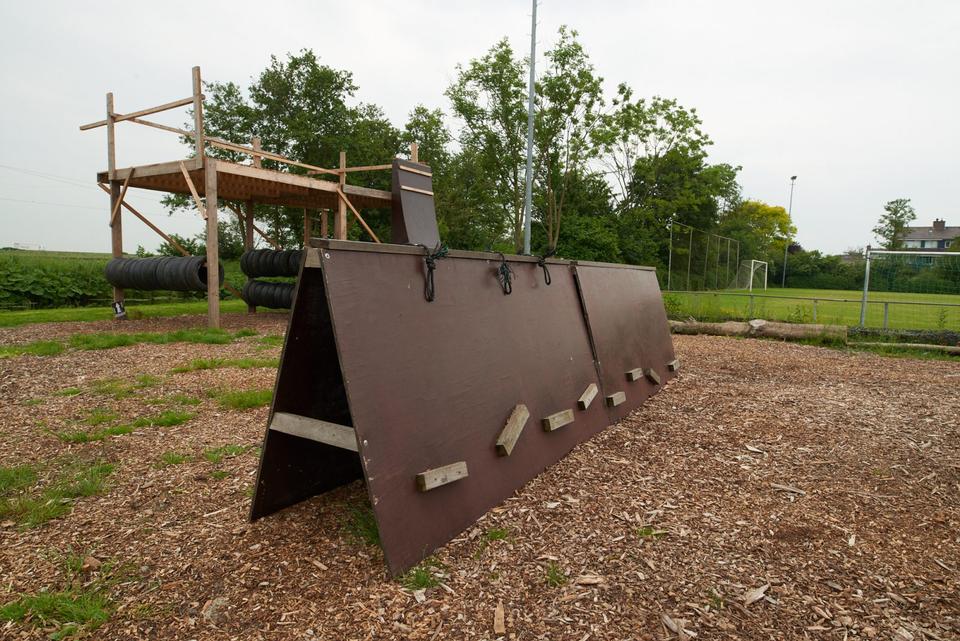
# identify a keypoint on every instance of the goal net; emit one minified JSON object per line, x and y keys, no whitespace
{"x":911,"y":290}
{"x":751,"y":275}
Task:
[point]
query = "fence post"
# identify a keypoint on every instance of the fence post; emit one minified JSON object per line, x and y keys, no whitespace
{"x":866,"y":286}
{"x":814,"y":310}
{"x":750,"y":313}
{"x":886,"y":314}
{"x":670,"y":258}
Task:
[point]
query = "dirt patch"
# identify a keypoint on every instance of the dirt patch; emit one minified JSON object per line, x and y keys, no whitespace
{"x":772,"y":491}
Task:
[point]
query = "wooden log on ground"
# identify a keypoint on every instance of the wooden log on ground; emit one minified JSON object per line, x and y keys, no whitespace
{"x":948,"y":349}
{"x":759,"y":328}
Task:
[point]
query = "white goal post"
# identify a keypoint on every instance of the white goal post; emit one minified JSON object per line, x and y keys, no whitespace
{"x":750,"y":272}
{"x":911,"y":261}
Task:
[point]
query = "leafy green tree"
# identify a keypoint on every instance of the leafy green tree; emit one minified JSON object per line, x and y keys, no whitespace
{"x":890,"y":228}
{"x":229,"y":241}
{"x":760,"y":228}
{"x":488,"y":97}
{"x":569,"y":101}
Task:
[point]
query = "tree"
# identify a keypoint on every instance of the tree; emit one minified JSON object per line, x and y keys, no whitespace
{"x":488,"y":98}
{"x":760,"y":228}
{"x":569,"y":99}
{"x":892,"y":224}
{"x":301,"y":109}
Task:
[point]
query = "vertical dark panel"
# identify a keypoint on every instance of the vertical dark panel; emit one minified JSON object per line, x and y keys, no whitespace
{"x":414,"y":219}
{"x":629,"y":329}
{"x":309,"y":383}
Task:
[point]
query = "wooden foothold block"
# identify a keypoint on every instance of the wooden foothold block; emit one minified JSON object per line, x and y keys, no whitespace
{"x":438,"y":476}
{"x":615,"y":399}
{"x":652,"y":376}
{"x":587,"y":397}
{"x":511,"y":431}
{"x":673,"y":365}
{"x":558,"y":420}
{"x":634,"y":374}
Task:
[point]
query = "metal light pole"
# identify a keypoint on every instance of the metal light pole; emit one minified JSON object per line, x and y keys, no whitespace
{"x":786,"y":246}
{"x":528,"y":196}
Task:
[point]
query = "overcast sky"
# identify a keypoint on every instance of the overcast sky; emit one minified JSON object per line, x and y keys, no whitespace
{"x":859,"y":99}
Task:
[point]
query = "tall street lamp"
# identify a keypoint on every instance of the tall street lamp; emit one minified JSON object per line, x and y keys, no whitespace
{"x":786,"y":245}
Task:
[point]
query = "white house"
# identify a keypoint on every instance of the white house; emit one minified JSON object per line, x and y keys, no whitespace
{"x":937,"y":237}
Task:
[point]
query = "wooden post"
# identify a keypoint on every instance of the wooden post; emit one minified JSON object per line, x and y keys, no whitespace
{"x":116,"y":242}
{"x":324,"y":224}
{"x":255,"y":143}
{"x":213,"y":251}
{"x":198,"y":115}
{"x":111,"y":141}
{"x":414,"y":152}
{"x":307,"y":222}
{"x":248,"y":235}
{"x":340,"y":223}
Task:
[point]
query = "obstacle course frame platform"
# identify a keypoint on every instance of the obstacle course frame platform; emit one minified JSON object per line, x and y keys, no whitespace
{"x":445,"y":408}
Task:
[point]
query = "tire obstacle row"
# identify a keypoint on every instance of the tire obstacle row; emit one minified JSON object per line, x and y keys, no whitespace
{"x":269,"y":263}
{"x":431,"y":399}
{"x":174,"y":273}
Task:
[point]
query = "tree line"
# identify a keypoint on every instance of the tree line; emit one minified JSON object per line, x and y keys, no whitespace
{"x":611,"y":170}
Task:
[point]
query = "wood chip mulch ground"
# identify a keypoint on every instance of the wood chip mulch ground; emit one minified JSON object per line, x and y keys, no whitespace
{"x":772,"y":491}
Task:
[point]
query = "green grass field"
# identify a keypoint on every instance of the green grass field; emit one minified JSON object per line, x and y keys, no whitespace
{"x":799,"y":308}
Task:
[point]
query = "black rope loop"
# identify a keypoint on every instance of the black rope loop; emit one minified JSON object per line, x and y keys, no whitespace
{"x":505,"y":275}
{"x":542,"y":261}
{"x":430,"y":263}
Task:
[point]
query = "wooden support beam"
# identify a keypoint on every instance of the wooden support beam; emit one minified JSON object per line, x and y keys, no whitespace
{"x":344,"y":201}
{"x":232,"y":146}
{"x":213,"y":250}
{"x":652,"y":376}
{"x":307,"y":227}
{"x":257,"y":158}
{"x":248,"y":230}
{"x":558,"y":420}
{"x":587,"y":397}
{"x":673,"y":365}
{"x":340,"y":222}
{"x":123,"y":194}
{"x":511,"y":431}
{"x":193,"y":190}
{"x":436,"y":477}
{"x":414,"y":170}
{"x":267,"y":238}
{"x":116,"y":235}
{"x":157,"y":125}
{"x":111,"y":141}
{"x":136,"y":114}
{"x":198,"y":115}
{"x":414,"y":152}
{"x":324,"y":224}
{"x":635,"y":374}
{"x":615,"y":399}
{"x":341,"y":436}
{"x":173,"y":242}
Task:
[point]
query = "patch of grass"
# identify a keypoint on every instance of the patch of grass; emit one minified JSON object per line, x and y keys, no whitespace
{"x":219,"y":475}
{"x":421,"y":577}
{"x":146,"y":380}
{"x":496,"y":534}
{"x":174,"y":399}
{"x":168,"y":418}
{"x":894,"y":351}
{"x":37,"y":348}
{"x":217,"y":454}
{"x":105,"y":312}
{"x":361,"y":524}
{"x":16,"y":478}
{"x":216,"y":363}
{"x":69,"y":391}
{"x":99,"y":416}
{"x":55,"y":499}
{"x":172,"y":458}
{"x":272,"y":340}
{"x":555,"y":576}
{"x":32,"y":401}
{"x":244,"y":399}
{"x":110,"y":340}
{"x":649,"y":532}
{"x":112,"y":387}
{"x":246,"y":331}
{"x":71,"y":611}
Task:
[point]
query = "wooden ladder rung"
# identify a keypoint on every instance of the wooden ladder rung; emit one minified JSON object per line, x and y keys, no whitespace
{"x":341,"y":436}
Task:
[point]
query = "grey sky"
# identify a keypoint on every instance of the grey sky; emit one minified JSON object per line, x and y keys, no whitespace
{"x":859,"y":99}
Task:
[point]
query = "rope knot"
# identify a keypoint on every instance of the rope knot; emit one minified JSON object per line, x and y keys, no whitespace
{"x":542,"y":261}
{"x":430,"y":262}
{"x":505,"y":275}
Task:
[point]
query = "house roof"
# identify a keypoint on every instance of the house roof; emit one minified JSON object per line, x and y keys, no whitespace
{"x":927,"y":232}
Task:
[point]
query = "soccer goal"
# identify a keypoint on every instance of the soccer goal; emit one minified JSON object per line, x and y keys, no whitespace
{"x":751,"y":275}
{"x":911,"y":290}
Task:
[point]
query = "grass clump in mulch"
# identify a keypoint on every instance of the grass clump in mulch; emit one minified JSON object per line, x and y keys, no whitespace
{"x":422,"y":576}
{"x":68,"y":391}
{"x":271,"y":340}
{"x":556,"y":577}
{"x":217,"y":363}
{"x":98,"y":417}
{"x":219,"y":475}
{"x":172,"y":458}
{"x":216,"y":454}
{"x":244,"y":399}
{"x":361,"y":524}
{"x":25,"y":502}
{"x":36,"y":348}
